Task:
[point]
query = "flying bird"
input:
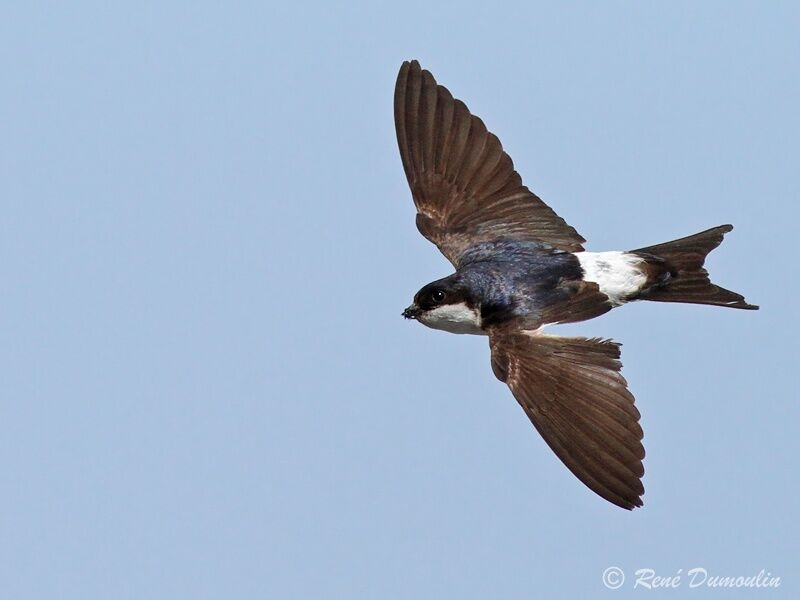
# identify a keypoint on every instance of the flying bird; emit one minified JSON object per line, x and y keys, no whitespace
{"x":520,"y":267}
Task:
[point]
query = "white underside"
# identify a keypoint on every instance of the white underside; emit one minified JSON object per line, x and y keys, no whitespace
{"x":615,"y":273}
{"x":455,"y":318}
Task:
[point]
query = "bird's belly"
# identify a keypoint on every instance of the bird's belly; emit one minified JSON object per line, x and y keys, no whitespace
{"x":454,"y":318}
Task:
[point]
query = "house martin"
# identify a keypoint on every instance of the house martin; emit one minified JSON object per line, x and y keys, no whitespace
{"x":520,"y":267}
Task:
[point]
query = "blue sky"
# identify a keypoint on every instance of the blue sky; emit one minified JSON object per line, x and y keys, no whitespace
{"x":207,"y":240}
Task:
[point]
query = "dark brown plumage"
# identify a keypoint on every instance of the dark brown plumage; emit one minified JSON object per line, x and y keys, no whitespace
{"x":464,"y":186}
{"x":519,"y":266}
{"x":574,"y":395}
{"x":688,"y":281}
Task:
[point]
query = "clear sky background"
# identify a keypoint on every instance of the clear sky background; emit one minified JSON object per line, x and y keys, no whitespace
{"x":206,"y":242}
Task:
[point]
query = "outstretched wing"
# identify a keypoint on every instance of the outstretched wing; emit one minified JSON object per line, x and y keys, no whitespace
{"x":572,"y":391}
{"x":464,"y":186}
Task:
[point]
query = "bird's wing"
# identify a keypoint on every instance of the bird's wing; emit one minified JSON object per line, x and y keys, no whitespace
{"x":464,"y":186}
{"x":572,"y":391}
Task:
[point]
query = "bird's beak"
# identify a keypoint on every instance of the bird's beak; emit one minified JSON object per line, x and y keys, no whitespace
{"x":412,"y":312}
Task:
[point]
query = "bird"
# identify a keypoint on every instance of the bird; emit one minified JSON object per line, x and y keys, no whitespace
{"x":519,"y":267}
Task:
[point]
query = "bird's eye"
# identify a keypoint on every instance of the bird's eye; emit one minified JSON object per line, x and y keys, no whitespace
{"x":437,"y":296}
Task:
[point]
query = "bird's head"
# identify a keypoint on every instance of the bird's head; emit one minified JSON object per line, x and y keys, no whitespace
{"x":446,"y":304}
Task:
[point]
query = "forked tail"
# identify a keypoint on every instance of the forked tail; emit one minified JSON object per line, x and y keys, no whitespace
{"x":680,"y":273}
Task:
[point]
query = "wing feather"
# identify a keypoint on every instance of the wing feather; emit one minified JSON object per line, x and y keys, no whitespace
{"x":573,"y":392}
{"x":464,"y":185}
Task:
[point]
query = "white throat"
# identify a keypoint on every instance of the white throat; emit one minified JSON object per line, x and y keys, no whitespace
{"x":455,"y":318}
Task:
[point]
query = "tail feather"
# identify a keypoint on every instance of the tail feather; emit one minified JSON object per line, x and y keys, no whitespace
{"x":688,"y":281}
